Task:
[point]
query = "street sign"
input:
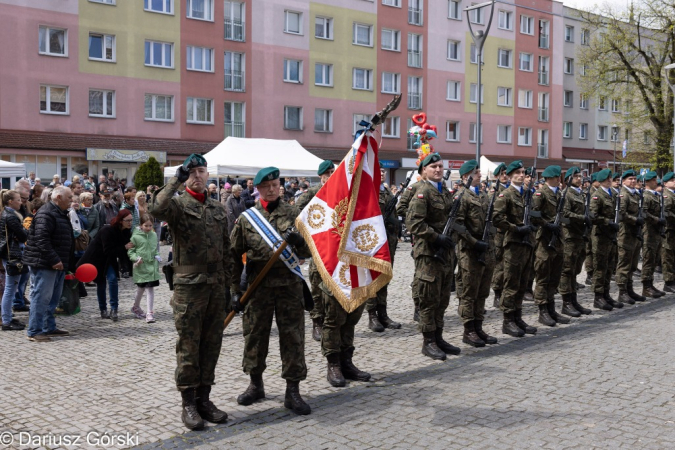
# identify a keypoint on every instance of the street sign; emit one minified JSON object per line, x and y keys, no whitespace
{"x":455,"y":164}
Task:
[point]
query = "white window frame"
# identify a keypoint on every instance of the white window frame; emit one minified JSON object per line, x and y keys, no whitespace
{"x":416,"y":12}
{"x":526,"y":25}
{"x":477,"y":16}
{"x":300,"y":118}
{"x":602,"y":132}
{"x":394,"y":40}
{"x":392,"y":124}
{"x":229,"y":58}
{"x":504,"y":92}
{"x":583,"y":131}
{"x":104,"y":2}
{"x":520,"y":62}
{"x":287,"y":29}
{"x":47,"y":31}
{"x":152,"y":52}
{"x":48,"y":88}
{"x":457,"y":46}
{"x":569,"y":33}
{"x":105,"y":93}
{"x":392,"y":3}
{"x":616,"y":105}
{"x":230,"y":21}
{"x":396,"y":82}
{"x":147,"y":6}
{"x":232,"y":124}
{"x":585,"y":36}
{"x":415,"y":90}
{"x":287,"y":70}
{"x":327,"y":120}
{"x":327,"y":71}
{"x":103,"y":48}
{"x":457,"y":4}
{"x":368,"y":81}
{"x":528,"y":96}
{"x":154,"y":98}
{"x":472,"y":93}
{"x":567,"y":130}
{"x":569,"y":104}
{"x":209,"y":4}
{"x":614,"y":132}
{"x":473,"y":55}
{"x":357,"y":118}
{"x":472,"y":133}
{"x":195,"y":107}
{"x":602,"y":103}
{"x":326,"y":28}
{"x":455,"y":86}
{"x":507,"y":129}
{"x":355,"y":34}
{"x":505,"y":14}
{"x":190,"y":58}
{"x":568,"y":66}
{"x":509,"y":55}
{"x":456,"y":123}
{"x":526,"y":139}
{"x":583,"y":101}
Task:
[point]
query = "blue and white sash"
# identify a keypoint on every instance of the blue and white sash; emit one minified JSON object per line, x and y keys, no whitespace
{"x":272,"y":238}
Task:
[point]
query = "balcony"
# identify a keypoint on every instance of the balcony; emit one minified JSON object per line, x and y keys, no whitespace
{"x":415,"y":16}
{"x":543,"y":77}
{"x":235,"y":129}
{"x":543,"y":114}
{"x":414,"y":100}
{"x":542,"y":151}
{"x":235,"y":30}
{"x":415,"y":58}
{"x":235,"y":80}
{"x":543,"y":41}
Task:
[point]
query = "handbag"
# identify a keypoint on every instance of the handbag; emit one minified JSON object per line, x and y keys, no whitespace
{"x":82,"y":241}
{"x":13,"y":267}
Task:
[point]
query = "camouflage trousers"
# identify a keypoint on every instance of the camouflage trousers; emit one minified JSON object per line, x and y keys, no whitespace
{"x":603,"y":259}
{"x":381,"y":297}
{"x":517,"y":268}
{"x":314,"y":281}
{"x":433,"y":287}
{"x":651,"y":250}
{"x":573,"y":256}
{"x":588,"y":263}
{"x":199,"y":313}
{"x":548,"y":266}
{"x":668,"y":256}
{"x":337,"y":335}
{"x":629,"y":256}
{"x":498,"y":273}
{"x":473,"y":282}
{"x":286,"y":304}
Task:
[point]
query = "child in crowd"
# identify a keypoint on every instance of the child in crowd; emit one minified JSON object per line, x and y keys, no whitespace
{"x":33,"y":206}
{"x":145,"y":257}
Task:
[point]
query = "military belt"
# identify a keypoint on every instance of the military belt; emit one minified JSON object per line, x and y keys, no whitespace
{"x":199,"y":268}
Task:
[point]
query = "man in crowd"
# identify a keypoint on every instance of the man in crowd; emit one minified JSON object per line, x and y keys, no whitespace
{"x":30,"y":179}
{"x":248,"y":194}
{"x":111,"y":181}
{"x":213,"y":191}
{"x":106,"y":207}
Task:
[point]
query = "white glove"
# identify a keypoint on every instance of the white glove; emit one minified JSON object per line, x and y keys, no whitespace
{"x":158,"y":258}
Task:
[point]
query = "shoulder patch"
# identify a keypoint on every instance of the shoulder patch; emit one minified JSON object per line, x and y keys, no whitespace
{"x":501,"y":195}
{"x":455,"y":197}
{"x":595,"y":198}
{"x":665,"y":196}
{"x":537,"y":193}
{"x":620,"y":195}
{"x":420,"y":195}
{"x":410,"y":188}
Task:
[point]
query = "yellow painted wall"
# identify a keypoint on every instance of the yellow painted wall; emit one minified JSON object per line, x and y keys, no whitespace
{"x":131,"y":25}
{"x":344,"y":55}
{"x":493,"y":76}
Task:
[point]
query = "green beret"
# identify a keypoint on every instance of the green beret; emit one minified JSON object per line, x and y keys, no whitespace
{"x":194,"y":160}
{"x":594,"y":176}
{"x":266,"y":174}
{"x":528,"y":171}
{"x":649,"y":175}
{"x":667,"y":177}
{"x":499,"y":169}
{"x":603,"y":175}
{"x":515,"y":165}
{"x":571,"y":171}
{"x":430,"y":159}
{"x":628,"y":173}
{"x":616,"y":175}
{"x":325,"y":166}
{"x":551,"y":172}
{"x":468,"y":167}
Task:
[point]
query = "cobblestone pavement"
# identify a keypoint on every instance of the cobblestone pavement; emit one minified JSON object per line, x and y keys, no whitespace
{"x":604,"y":381}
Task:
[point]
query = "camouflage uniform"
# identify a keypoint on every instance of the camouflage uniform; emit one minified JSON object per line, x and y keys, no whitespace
{"x":573,"y":236}
{"x":337,"y":336}
{"x":628,"y":240}
{"x":668,"y":248}
{"x":278,"y":295}
{"x":402,"y":211}
{"x":602,"y":209}
{"x":202,"y":264}
{"x":548,"y":261}
{"x":588,"y":263}
{"x":498,"y":274}
{"x":314,"y":278}
{"x":651,"y":243}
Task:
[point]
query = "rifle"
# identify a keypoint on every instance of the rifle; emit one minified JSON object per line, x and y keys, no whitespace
{"x":662,"y":215}
{"x":640,"y":214}
{"x":391,"y":206}
{"x":450,"y":224}
{"x":587,"y":213}
{"x":488,"y":221}
{"x":558,"y":217}
{"x":528,"y":204}
{"x":617,"y":212}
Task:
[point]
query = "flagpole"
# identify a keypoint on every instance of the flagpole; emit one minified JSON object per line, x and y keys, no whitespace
{"x":615,"y":132}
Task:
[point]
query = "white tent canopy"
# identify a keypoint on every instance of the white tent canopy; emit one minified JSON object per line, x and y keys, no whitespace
{"x":246,"y":156}
{"x":10,"y":169}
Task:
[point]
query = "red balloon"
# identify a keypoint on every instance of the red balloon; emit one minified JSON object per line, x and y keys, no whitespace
{"x":86,"y":273}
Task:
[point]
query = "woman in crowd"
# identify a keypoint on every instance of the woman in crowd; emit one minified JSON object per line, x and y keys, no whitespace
{"x":46,"y":195}
{"x":130,"y":204}
{"x":91,"y":214}
{"x":12,"y":239}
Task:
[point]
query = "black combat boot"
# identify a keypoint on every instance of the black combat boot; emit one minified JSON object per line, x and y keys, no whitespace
{"x":600,"y":303}
{"x":206,"y":408}
{"x":611,"y":301}
{"x":254,"y":391}
{"x":578,"y":307}
{"x":294,"y":401}
{"x":518,"y":318}
{"x":509,"y":326}
{"x":545,"y":317}
{"x":478,"y":325}
{"x":444,"y":346}
{"x":554,"y":314}
{"x":669,"y":287}
{"x":470,"y":336}
{"x":349,"y":370}
{"x":317,"y":328}
{"x":498,"y":296}
{"x":634,"y":295}
{"x":334,"y":375}
{"x":589,"y":279}
{"x":651,"y":283}
{"x":429,"y":347}
{"x":568,"y":308}
{"x":416,"y":315}
{"x":580,"y":286}
{"x":624,"y":297}
{"x":374,"y":322}
{"x":191,"y":418}
{"x":385,"y":320}
{"x":529,"y":295}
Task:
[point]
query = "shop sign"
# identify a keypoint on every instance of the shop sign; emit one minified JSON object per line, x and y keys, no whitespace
{"x":389,"y":164}
{"x":139,"y":156}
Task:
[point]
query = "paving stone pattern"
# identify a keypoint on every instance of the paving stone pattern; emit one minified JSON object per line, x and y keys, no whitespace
{"x":604,"y":381}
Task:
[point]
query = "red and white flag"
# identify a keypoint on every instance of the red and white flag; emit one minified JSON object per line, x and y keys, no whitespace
{"x":344,"y":229}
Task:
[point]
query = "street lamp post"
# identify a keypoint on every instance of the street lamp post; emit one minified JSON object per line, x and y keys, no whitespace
{"x":479,"y":40}
{"x":615,"y":135}
{"x":668,"y":68}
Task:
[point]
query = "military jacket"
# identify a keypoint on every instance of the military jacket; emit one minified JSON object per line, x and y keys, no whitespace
{"x":651,"y":209}
{"x":246,"y":240}
{"x":669,"y":208}
{"x":602,"y":210}
{"x":406,"y":196}
{"x":391,"y":223}
{"x":630,"y":204}
{"x":201,"y":244}
{"x":509,"y":213}
{"x":546,"y":202}
{"x":573,"y":210}
{"x":307,"y":197}
{"x":427,"y":215}
{"x":472,"y":215}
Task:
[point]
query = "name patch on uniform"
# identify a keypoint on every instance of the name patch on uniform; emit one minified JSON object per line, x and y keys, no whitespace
{"x":420,"y":195}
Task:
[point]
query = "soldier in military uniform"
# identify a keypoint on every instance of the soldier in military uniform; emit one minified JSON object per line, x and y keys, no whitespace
{"x":574,"y":244}
{"x":202,"y":267}
{"x":616,"y":188}
{"x":476,"y":257}
{"x":629,"y":240}
{"x":326,"y":169}
{"x":529,"y":290}
{"x":429,"y":210}
{"x":588,"y":264}
{"x":498,"y":273}
{"x":378,"y":319}
{"x":278,"y":295}
{"x":508,"y":217}
{"x":651,"y":243}
{"x":668,"y":247}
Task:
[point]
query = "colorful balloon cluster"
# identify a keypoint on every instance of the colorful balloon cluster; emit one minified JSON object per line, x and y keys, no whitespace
{"x":423,"y":133}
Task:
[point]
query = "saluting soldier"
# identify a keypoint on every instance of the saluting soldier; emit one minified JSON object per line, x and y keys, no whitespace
{"x":548,"y":259}
{"x":509,"y":217}
{"x":651,"y":243}
{"x":475,"y":256}
{"x":588,"y":263}
{"x":574,"y":245}
{"x":278,"y":295}
{"x":629,"y":241}
{"x":668,"y":247}
{"x":429,"y":211}
{"x":498,"y":273}
{"x":326,"y":169}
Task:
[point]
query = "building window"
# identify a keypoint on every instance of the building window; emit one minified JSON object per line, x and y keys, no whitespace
{"x":569,"y":33}
{"x":53,"y":41}
{"x":323,"y":74}
{"x":394,"y":3}
{"x":391,"y":83}
{"x":454,"y":10}
{"x":101,"y":103}
{"x":583,"y":131}
{"x":504,"y":58}
{"x":292,"y":71}
{"x":602,"y":103}
{"x":524,"y":136}
{"x":583,"y":101}
{"x":477,"y":16}
{"x":614,"y":137}
{"x":200,"y":58}
{"x":543,"y":70}
{"x":54,"y":100}
{"x":567,"y":130}
{"x":235,"y":24}
{"x":452,"y":131}
{"x":568,"y":97}
{"x":323,"y":28}
{"x":107,"y":2}
{"x":646,"y":138}
{"x":292,"y":22}
{"x":390,"y":127}
{"x":527,"y":25}
{"x":292,"y":117}
{"x":525,"y":98}
{"x":504,"y":134}
{"x":568,"y":66}
{"x":472,"y":93}
{"x":526,"y":62}
{"x":616,"y":105}
{"x":159,"y":54}
{"x":585,"y":37}
{"x":323,"y":120}
{"x":453,"y":50}
{"x":474,"y":55}
{"x":415,"y":50}
{"x":363,"y":35}
{"x":415,"y":16}
{"x":102,"y":47}
{"x":358,"y":118}
{"x":543,"y":33}
{"x":542,"y":147}
{"x":235,"y":119}
{"x":472,"y":133}
{"x":159,"y":107}
{"x":454,"y":91}
{"x":414,"y":92}
{"x":582,"y":70}
{"x":602,"y":132}
{"x":506,"y":20}
{"x":504,"y":96}
{"x":159,"y":6}
{"x":391,"y":40}
{"x":235,"y":70}
{"x":362,"y":79}
{"x":200,"y":9}
{"x":200,"y":110}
